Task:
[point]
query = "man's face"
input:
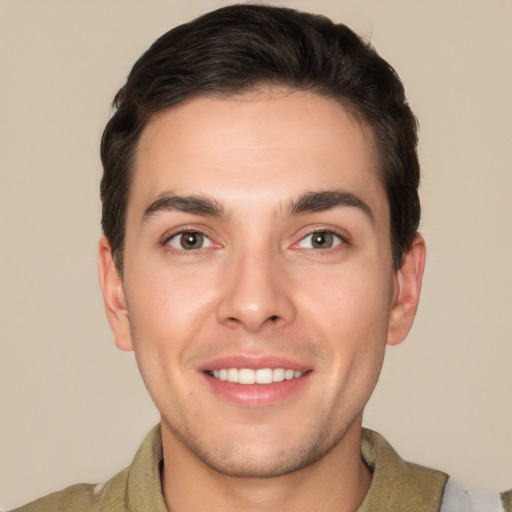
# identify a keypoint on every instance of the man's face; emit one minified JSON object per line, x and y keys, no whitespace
{"x":257,"y":248}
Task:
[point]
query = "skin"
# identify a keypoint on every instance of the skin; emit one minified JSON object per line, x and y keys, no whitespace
{"x":259,"y":290}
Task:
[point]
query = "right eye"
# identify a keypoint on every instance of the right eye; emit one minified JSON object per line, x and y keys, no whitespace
{"x":189,"y":241}
{"x":323,"y":239}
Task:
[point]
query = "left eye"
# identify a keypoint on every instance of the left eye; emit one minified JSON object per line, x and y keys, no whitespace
{"x":189,"y":240}
{"x":320,"y":240}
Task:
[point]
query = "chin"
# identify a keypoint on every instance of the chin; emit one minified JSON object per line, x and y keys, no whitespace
{"x":245,"y":458}
{"x":240,"y":463}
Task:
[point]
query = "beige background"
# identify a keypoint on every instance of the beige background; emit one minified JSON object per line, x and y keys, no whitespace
{"x":73,"y":408}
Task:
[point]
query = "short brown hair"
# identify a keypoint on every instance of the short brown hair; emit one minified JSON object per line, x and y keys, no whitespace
{"x":240,"y":47}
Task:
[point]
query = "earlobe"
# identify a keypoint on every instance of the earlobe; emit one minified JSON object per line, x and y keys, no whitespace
{"x":111,"y":284}
{"x":408,"y":280}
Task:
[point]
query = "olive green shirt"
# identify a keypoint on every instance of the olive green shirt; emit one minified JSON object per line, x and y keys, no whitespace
{"x":506,"y":499}
{"x":397,"y":486}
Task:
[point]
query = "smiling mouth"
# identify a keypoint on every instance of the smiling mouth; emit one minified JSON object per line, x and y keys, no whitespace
{"x":250,"y":376}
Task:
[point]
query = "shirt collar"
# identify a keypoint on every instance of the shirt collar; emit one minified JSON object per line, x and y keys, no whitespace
{"x":144,"y":490}
{"x":396,"y":485}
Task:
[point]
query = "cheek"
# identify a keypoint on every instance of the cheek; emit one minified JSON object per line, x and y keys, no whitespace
{"x":168,"y":296}
{"x":353,"y":303}
{"x":165,"y":316}
{"x":351,"y":310}
{"x":167,"y":312}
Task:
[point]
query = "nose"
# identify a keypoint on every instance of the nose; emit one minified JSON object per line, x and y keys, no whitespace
{"x":256,"y":294}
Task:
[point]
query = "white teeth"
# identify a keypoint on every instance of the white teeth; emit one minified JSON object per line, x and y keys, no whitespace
{"x":278,"y":375}
{"x":246,"y":376}
{"x":264,"y":376}
{"x":232,"y":375}
{"x":261,"y":376}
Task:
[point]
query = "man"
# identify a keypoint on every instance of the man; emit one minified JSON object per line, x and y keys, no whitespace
{"x":260,"y":249}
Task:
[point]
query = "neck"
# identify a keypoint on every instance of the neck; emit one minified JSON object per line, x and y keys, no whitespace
{"x":337,"y":482}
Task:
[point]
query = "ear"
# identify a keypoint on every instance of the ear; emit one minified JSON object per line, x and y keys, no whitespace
{"x":407,"y":290}
{"x":113,"y":295}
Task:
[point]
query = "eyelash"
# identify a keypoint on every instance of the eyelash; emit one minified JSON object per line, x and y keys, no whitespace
{"x":342,"y":240}
{"x":184,"y":231}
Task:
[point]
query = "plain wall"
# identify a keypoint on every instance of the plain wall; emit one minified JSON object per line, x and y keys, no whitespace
{"x":73,"y":408}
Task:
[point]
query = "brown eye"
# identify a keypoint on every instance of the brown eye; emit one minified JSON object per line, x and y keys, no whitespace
{"x":320,"y":240}
{"x":189,"y":240}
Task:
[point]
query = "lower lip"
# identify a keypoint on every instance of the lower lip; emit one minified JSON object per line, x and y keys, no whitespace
{"x":256,"y":395}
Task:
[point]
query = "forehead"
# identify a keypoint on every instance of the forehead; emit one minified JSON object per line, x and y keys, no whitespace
{"x":257,"y":147}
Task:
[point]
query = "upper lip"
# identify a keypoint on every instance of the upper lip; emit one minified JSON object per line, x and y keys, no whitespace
{"x":253,"y":362}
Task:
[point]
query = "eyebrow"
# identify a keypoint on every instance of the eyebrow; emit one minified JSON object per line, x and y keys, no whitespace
{"x":198,"y":205}
{"x":312,"y":202}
